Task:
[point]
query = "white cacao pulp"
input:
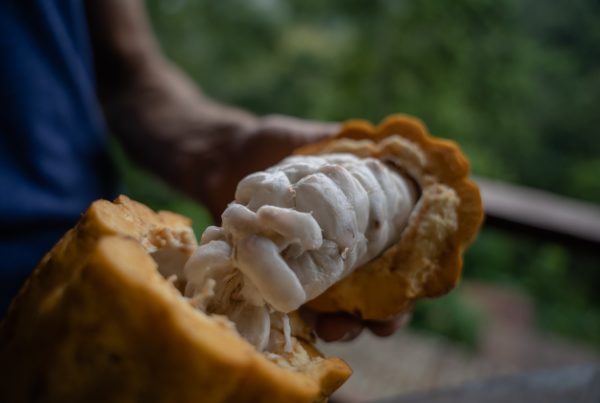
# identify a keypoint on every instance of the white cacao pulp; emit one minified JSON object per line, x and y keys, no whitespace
{"x":292,"y":232}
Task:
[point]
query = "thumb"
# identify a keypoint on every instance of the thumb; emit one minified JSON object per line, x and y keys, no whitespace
{"x":298,"y":132}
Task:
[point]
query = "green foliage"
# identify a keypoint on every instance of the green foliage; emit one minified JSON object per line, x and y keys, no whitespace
{"x":451,"y":317}
{"x":562,"y":282}
{"x":156,"y":194}
{"x":517,"y":83}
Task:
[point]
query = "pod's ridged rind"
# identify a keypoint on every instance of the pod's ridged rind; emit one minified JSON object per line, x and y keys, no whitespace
{"x":389,"y":284}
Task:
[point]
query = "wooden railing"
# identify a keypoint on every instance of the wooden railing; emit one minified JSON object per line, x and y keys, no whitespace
{"x":579,"y":384}
{"x":548,"y":216}
{"x":540,"y":213}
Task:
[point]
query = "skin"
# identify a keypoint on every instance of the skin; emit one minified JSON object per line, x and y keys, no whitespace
{"x":165,"y":122}
{"x":167,"y":125}
{"x":345,"y":327}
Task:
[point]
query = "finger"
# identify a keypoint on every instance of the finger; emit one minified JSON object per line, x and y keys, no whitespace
{"x":309,"y":316}
{"x":298,"y":132}
{"x":382,"y":329}
{"x":338,"y":327}
{"x":387,"y":328}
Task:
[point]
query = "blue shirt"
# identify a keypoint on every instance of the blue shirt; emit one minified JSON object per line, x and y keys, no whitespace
{"x":53,"y":146}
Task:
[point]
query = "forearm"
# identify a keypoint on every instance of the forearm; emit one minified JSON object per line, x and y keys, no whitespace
{"x":169,"y":128}
{"x":162,"y":119}
{"x":167,"y":125}
{"x":128,"y":59}
{"x":122,"y":41}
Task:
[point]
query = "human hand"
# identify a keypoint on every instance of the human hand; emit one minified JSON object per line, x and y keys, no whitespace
{"x":196,"y":144}
{"x":341,"y":326}
{"x":168,"y":126}
{"x":258,"y":147}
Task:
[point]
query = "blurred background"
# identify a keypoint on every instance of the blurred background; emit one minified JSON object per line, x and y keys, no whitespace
{"x":516,"y":83}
